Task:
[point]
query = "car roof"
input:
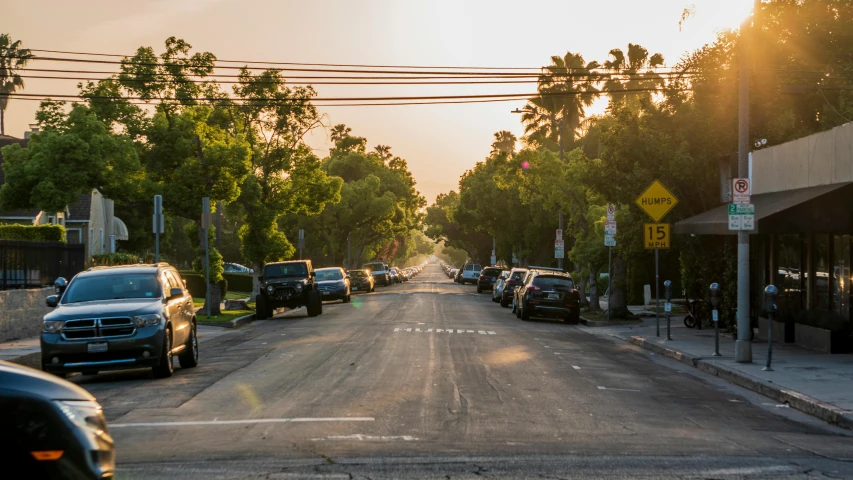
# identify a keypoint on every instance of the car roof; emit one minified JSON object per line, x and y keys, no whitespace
{"x":118,"y":269}
{"x":330,"y":268}
{"x":288,"y":261}
{"x":552,"y":275}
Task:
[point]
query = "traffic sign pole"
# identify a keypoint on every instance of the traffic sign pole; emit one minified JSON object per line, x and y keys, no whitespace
{"x":609,"y":280}
{"x":657,"y":296}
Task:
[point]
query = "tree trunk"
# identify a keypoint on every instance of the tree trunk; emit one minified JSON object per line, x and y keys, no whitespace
{"x":594,"y":304}
{"x":256,"y":283}
{"x":619,"y":306}
{"x":582,"y":290}
{"x":215,"y":296}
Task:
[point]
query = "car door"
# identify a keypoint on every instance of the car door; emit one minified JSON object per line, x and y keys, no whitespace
{"x":180,"y":309}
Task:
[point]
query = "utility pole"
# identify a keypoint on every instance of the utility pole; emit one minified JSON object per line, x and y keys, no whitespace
{"x":560,"y":221}
{"x":743,"y":346}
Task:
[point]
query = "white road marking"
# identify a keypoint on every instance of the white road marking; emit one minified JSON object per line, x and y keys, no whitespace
{"x":397,"y":329}
{"x":429,"y":330}
{"x":460,"y":331}
{"x":417,"y":329}
{"x":576,"y":367}
{"x":556,"y":353}
{"x":361,"y":437}
{"x":469,"y":331}
{"x":481,"y":332}
{"x":244,"y":422}
{"x":491,"y":333}
{"x":408,"y":329}
{"x":618,"y":389}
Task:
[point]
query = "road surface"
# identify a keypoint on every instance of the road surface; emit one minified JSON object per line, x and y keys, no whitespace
{"x":428,"y":379}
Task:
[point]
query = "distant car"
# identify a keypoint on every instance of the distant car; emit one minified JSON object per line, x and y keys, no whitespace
{"x":380,"y":273}
{"x":361,"y":281}
{"x":549,"y":295}
{"x":395,"y":275}
{"x":51,"y":428}
{"x":452,"y":273}
{"x":515,"y":276}
{"x":470,"y":273}
{"x":289,"y":284}
{"x":458,"y":277}
{"x":237,"y":268}
{"x":498,"y":289}
{"x":333,"y":284}
{"x":488,"y":277}
{"x":121,"y":317}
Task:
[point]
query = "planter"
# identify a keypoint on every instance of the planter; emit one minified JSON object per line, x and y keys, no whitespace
{"x":813,"y":338}
{"x":778,"y":330}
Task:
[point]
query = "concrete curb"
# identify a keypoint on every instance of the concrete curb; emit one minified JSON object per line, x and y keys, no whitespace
{"x":596,"y":323}
{"x":236,"y":323}
{"x":804,"y":403}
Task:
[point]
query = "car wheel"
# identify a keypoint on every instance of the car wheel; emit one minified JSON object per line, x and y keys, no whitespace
{"x":525,"y":313}
{"x":165,"y":368}
{"x":262,"y":308}
{"x":575,"y":317}
{"x":189,"y":357}
{"x":347,"y":298}
{"x":315,"y":303}
{"x":503,"y":302}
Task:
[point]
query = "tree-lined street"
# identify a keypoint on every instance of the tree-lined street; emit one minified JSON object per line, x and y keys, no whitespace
{"x":429,"y":378}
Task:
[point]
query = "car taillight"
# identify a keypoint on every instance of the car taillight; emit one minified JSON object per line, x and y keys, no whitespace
{"x":533,"y":288}
{"x":511,"y":283}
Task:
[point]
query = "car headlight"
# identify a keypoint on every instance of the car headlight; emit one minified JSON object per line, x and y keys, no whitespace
{"x":53,"y":326}
{"x":298,"y":287}
{"x":146,"y":320}
{"x":270,"y":288}
{"x":84,"y":413}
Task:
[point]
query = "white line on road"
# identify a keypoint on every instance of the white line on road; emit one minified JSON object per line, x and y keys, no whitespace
{"x":576,"y":367}
{"x":618,"y":389}
{"x":244,"y":422}
{"x":361,"y":436}
{"x":397,"y":329}
{"x":481,"y":332}
{"x":491,"y":332}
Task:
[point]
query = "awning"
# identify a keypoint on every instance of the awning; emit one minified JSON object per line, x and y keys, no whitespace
{"x":820,"y":209}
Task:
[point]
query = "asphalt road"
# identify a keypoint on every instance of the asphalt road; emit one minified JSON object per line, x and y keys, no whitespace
{"x":430,"y":380}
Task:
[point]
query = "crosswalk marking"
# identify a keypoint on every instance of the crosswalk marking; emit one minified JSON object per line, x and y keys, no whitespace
{"x":444,"y":330}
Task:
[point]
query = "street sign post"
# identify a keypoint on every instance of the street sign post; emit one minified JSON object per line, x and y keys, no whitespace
{"x":741,"y":190}
{"x":609,"y":240}
{"x":559,"y":234}
{"x":611,"y":212}
{"x":559,"y":250}
{"x":741,"y":216}
{"x":610,"y":227}
{"x":159,"y":220}
{"x":656,"y":201}
{"x":205,"y":225}
{"x":301,"y":242}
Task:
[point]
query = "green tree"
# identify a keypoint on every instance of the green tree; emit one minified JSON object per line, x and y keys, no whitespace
{"x":12,"y":59}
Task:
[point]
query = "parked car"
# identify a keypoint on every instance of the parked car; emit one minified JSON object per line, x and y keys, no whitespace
{"x":51,"y":428}
{"x":333,"y":283}
{"x":527,"y":276}
{"x":470,"y":273}
{"x":404,"y":274}
{"x":514,"y":278}
{"x":288,"y":284}
{"x":488,"y":277}
{"x":237,"y":268}
{"x":549,"y":295}
{"x":395,"y":275}
{"x":458,"y":277}
{"x":361,"y":281}
{"x":113,"y":318}
{"x":498,"y":289}
{"x":452,"y":273}
{"x":379,"y":270}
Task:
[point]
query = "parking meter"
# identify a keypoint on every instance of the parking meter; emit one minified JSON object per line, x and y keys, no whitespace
{"x":770,"y":294}
{"x":667,"y":307}
{"x":715,"y":298}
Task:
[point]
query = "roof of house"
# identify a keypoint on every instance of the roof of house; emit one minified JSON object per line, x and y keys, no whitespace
{"x":78,"y":211}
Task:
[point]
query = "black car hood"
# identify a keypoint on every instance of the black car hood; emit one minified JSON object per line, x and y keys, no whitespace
{"x":105,"y":308}
{"x":331,"y":282}
{"x":28,"y":380}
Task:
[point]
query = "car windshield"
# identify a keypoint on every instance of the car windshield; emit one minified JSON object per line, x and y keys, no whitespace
{"x":491,"y":272}
{"x":553,"y":283}
{"x":324,"y":275}
{"x":374,"y":267}
{"x":113,"y":286}
{"x":357,"y":273}
{"x":285,"y":270}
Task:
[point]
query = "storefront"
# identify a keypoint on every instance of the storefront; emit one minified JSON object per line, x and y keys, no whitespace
{"x":803,"y":197}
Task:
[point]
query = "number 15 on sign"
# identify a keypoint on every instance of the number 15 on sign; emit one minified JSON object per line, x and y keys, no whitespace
{"x":656,"y":235}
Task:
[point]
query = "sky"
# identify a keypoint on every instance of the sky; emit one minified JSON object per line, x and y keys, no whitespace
{"x":440,"y":142}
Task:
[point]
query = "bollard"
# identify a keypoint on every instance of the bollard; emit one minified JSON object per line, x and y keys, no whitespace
{"x":715,"y":315}
{"x":770,"y":293}
{"x":667,"y":307}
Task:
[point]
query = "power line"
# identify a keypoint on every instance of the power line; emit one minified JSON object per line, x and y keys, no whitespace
{"x":227,"y":82}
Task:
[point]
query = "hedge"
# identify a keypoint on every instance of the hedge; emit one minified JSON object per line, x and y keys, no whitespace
{"x":239,"y":282}
{"x":197,"y":286}
{"x":110,"y":259}
{"x":33,"y":233}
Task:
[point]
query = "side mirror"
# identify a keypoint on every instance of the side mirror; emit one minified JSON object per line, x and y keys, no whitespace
{"x":61,"y":284}
{"x":176,"y":292}
{"x":52,"y":301}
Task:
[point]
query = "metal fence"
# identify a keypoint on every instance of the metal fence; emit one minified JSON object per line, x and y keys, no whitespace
{"x":35,"y":264}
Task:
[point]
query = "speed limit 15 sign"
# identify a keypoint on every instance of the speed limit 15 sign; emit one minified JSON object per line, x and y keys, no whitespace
{"x":656,"y":235}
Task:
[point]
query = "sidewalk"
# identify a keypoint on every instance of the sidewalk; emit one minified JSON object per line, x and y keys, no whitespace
{"x":816,"y":383}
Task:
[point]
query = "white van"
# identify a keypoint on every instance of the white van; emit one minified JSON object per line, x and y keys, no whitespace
{"x":471,"y":273}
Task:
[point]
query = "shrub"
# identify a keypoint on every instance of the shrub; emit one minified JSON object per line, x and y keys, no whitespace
{"x":110,"y":259}
{"x":197,"y":286}
{"x":33,"y":233}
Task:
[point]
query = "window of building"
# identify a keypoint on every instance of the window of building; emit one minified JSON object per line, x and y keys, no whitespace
{"x":789,"y":278}
{"x":821,"y":272}
{"x":840,"y":288}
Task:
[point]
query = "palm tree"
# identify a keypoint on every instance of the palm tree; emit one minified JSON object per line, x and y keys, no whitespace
{"x":628,"y":75}
{"x":504,"y":143}
{"x":384,"y":152}
{"x":566,"y":89}
{"x":12,"y":59}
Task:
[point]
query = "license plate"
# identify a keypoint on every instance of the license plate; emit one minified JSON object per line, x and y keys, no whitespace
{"x":327,"y":293}
{"x":98,"y":347}
{"x":354,"y":289}
{"x":553,"y":296}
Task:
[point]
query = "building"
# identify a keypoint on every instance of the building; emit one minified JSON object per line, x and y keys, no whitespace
{"x":803,"y":196}
{"x":90,"y":220}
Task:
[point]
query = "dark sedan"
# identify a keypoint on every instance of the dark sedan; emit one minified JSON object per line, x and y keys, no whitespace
{"x":488,"y":277}
{"x":361,"y":281}
{"x":333,"y":283}
{"x":549,"y":295}
{"x":51,"y":428}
